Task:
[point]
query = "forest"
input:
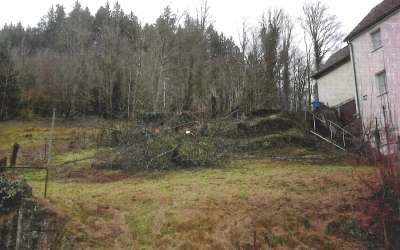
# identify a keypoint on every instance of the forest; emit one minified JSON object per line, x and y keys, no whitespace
{"x":112,"y":65}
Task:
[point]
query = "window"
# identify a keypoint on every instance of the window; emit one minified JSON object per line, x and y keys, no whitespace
{"x":376,"y":39}
{"x":381,"y":82}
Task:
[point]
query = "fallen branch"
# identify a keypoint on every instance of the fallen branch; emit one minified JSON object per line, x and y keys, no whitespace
{"x":220,"y":123}
{"x":161,"y":155}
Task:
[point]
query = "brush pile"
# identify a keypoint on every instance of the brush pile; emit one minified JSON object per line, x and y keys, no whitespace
{"x":187,"y":140}
{"x":159,"y":144}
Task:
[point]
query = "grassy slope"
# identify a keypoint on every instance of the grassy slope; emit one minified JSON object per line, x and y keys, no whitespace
{"x":33,"y":135}
{"x":214,"y":208}
{"x":284,"y":205}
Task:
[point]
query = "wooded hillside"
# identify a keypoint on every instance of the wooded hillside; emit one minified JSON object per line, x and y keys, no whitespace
{"x":112,"y":65}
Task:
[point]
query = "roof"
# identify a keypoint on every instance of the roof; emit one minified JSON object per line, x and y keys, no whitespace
{"x":377,"y":14}
{"x":340,"y":57}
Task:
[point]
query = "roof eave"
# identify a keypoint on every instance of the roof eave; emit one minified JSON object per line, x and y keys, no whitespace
{"x":353,"y":34}
{"x":320,"y":74}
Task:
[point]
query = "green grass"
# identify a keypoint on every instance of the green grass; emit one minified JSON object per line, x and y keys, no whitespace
{"x":84,"y":157}
{"x":176,"y":208}
{"x":22,"y":133}
{"x":288,"y":205}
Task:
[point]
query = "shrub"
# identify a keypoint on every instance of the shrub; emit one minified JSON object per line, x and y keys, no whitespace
{"x":12,"y":191}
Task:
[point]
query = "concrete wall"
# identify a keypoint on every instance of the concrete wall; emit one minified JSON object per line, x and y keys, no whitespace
{"x":369,"y":62}
{"x":337,"y":86}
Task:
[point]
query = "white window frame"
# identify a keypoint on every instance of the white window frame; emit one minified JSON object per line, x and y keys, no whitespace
{"x":381,"y":82}
{"x":376,"y":39}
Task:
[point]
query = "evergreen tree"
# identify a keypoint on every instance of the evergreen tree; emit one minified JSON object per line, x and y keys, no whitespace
{"x":9,"y":90}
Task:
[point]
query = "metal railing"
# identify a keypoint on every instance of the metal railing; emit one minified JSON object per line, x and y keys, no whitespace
{"x":329,"y":131}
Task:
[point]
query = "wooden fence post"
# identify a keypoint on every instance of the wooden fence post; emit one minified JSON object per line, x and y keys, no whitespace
{"x":45,"y":150}
{"x":46,"y":182}
{"x":3,"y":163}
{"x":14,"y":155}
{"x":51,"y":137}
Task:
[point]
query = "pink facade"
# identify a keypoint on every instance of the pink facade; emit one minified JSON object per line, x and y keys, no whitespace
{"x":369,"y":63}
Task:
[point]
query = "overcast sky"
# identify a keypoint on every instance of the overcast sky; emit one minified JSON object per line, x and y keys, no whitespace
{"x":227,"y":15}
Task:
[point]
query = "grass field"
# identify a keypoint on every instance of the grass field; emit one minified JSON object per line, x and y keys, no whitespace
{"x":258,"y":203}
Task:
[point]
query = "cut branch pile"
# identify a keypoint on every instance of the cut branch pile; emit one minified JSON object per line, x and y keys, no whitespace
{"x":144,"y":147}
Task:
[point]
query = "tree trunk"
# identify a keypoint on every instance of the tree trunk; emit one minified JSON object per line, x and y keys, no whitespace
{"x":188,"y":96}
{"x":3,"y":110}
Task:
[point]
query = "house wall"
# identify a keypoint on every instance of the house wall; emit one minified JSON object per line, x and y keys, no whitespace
{"x":337,"y":87}
{"x":347,"y":111}
{"x":369,"y":63}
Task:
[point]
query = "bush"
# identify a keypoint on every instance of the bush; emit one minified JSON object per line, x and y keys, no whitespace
{"x":152,"y":117}
{"x":12,"y":191}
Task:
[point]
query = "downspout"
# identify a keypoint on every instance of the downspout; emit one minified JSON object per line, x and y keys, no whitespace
{"x":355,"y":77}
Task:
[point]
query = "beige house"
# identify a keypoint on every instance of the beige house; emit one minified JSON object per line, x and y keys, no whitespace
{"x":335,"y":83}
{"x":364,"y":77}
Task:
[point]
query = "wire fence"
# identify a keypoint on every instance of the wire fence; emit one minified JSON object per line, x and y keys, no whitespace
{"x":25,"y":168}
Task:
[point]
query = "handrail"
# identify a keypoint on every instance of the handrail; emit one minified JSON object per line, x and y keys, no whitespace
{"x":333,"y":135}
{"x":338,"y":126}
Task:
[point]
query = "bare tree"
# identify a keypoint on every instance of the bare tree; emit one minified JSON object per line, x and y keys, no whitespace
{"x":308,"y":61}
{"x":286,"y":60}
{"x":322,"y":28}
{"x":244,"y":44}
{"x":299,"y":80}
{"x":203,"y":15}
